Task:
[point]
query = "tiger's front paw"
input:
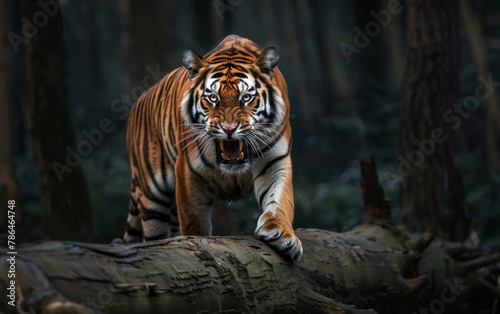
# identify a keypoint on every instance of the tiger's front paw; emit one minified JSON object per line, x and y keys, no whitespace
{"x":280,"y":237}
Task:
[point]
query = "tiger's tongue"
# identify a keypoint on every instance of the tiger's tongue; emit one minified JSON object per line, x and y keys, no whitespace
{"x":231,"y":147}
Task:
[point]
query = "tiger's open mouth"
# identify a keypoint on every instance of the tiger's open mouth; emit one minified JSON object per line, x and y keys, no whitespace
{"x":232,"y":151}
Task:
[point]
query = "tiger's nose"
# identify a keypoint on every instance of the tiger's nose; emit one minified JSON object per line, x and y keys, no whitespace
{"x":229,"y":129}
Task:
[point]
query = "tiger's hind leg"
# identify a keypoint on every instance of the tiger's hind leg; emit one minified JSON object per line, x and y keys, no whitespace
{"x":133,"y":230}
{"x":155,"y":219}
{"x":153,"y":178}
{"x":150,"y":213}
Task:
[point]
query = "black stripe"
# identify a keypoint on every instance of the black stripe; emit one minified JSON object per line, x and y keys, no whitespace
{"x":192,"y":169}
{"x":170,"y":81}
{"x":220,"y":67}
{"x":168,"y":151}
{"x":133,"y":188}
{"x":150,"y":195}
{"x":133,"y":210}
{"x":238,"y":67}
{"x":232,"y":59}
{"x":133,"y":231}
{"x":271,"y":202}
{"x":142,"y":120}
{"x":135,"y":124}
{"x":163,"y":180}
{"x":244,"y":53}
{"x":205,"y":106}
{"x":145,"y":150}
{"x":153,"y":198}
{"x":272,"y":104}
{"x":205,"y":160}
{"x":171,"y":136}
{"x":197,"y":113}
{"x":161,"y":202}
{"x":261,"y":198}
{"x":161,"y":89}
{"x":275,"y":140}
{"x":271,"y":163}
{"x":231,"y":66}
{"x":252,"y":52}
{"x":239,"y":74}
{"x":144,"y":97}
{"x":271,"y":116}
{"x":148,"y":214}
{"x":163,"y":170}
{"x":131,"y":152}
{"x":172,"y":123}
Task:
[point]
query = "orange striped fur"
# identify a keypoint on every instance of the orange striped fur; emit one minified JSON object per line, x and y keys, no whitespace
{"x":213,"y":131}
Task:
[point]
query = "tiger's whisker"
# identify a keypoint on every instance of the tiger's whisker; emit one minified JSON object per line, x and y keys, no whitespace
{"x":187,"y":137}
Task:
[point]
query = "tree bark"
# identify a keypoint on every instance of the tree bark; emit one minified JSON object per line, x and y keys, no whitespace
{"x":375,"y":266}
{"x":429,"y":93}
{"x":65,"y":196}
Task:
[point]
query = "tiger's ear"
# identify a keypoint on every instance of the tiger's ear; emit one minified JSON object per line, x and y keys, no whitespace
{"x":267,"y":61}
{"x":193,"y":62}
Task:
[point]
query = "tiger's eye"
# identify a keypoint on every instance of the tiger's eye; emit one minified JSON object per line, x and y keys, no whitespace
{"x":247,"y":98}
{"x":212,"y":98}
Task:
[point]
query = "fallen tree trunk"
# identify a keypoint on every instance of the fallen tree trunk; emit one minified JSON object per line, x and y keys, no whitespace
{"x":374,"y":267}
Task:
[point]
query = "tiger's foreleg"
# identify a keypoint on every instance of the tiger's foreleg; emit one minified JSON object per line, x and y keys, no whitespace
{"x":274,"y":192}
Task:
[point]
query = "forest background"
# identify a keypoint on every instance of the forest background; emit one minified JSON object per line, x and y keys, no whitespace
{"x":344,"y":65}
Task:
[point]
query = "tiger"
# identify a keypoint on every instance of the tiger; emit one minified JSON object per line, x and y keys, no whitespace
{"x":212,"y":131}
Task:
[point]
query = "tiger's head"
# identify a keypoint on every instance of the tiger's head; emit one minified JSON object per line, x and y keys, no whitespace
{"x":233,"y":102}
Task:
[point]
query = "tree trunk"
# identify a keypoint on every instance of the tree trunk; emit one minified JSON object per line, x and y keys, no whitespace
{"x":308,"y":107}
{"x":393,"y":40}
{"x":142,"y":52}
{"x":8,"y":184}
{"x":374,"y":266}
{"x":334,"y":83}
{"x":372,"y":58}
{"x":429,"y":94}
{"x":64,"y":189}
{"x":474,"y":34}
